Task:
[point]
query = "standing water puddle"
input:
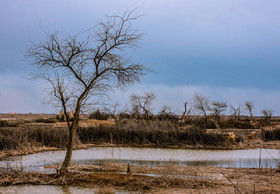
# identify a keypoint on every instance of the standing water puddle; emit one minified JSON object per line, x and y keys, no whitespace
{"x":47,"y":189}
{"x":150,"y":157}
{"x":138,"y":156}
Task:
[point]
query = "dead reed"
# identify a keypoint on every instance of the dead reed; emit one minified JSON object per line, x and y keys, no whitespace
{"x":12,"y":138}
{"x":139,"y":132}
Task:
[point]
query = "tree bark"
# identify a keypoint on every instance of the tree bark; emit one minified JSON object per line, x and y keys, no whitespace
{"x":68,"y":156}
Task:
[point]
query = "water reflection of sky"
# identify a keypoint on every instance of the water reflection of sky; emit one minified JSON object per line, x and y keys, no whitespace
{"x":155,"y":157}
{"x":54,"y":189}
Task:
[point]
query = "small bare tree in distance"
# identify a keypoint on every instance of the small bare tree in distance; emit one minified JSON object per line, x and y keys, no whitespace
{"x":249,"y":106}
{"x":267,"y":114}
{"x":201,"y":104}
{"x":166,"y":113}
{"x":236,"y":111}
{"x":142,"y":104}
{"x":186,"y":115}
{"x":79,"y":70}
{"x":218,"y":107}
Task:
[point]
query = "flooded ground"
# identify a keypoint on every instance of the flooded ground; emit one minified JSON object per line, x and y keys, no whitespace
{"x":47,"y":189}
{"x":155,"y":170}
{"x":107,"y":180}
{"x":150,"y":157}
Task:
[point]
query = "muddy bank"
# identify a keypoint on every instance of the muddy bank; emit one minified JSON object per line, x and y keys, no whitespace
{"x":167,"y":179}
{"x":115,"y":180}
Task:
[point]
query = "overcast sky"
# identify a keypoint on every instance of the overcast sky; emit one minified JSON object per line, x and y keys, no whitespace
{"x":225,"y":50}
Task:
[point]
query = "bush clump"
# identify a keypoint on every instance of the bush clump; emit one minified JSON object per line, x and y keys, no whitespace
{"x":7,"y":143}
{"x":98,"y":115}
{"x":42,"y":120}
{"x":269,"y":135}
{"x":9,"y":124}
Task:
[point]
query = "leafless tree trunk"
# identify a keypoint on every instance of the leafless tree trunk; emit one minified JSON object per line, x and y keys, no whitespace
{"x":186,"y":114}
{"x":80,"y":70}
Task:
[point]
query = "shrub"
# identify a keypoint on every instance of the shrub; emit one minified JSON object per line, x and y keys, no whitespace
{"x":42,"y":120}
{"x":98,"y":115}
{"x":268,"y":135}
{"x":200,"y":123}
{"x":4,"y":123}
{"x":237,"y":124}
{"x":7,"y":143}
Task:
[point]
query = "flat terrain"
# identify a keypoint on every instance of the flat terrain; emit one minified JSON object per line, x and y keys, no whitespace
{"x":50,"y":135}
{"x":169,"y":179}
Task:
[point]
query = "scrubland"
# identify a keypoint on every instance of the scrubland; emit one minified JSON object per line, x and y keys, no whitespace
{"x":45,"y":131}
{"x":24,"y":134}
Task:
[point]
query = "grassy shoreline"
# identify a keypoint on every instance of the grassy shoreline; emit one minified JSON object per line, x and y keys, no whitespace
{"x":19,"y":137}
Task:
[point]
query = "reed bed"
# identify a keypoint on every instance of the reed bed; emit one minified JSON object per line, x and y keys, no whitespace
{"x":14,"y":137}
{"x":139,"y":132}
{"x":127,"y":131}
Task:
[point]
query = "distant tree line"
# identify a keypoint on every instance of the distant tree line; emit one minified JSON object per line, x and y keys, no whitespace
{"x":208,"y":111}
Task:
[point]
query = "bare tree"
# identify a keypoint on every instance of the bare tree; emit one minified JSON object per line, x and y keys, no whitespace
{"x":166,"y":113}
{"x":218,"y":107}
{"x":201,"y":104}
{"x":112,"y":111}
{"x":142,"y":104}
{"x":186,"y":114}
{"x":236,"y":112}
{"x":79,"y":70}
{"x":249,"y":106}
{"x":267,"y":114}
{"x":164,"y":110}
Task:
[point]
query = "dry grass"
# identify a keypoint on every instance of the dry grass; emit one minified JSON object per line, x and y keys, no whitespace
{"x":173,"y":179}
{"x":128,"y":132}
{"x":121,"y":181}
{"x":151,"y":132}
{"x":17,"y":133}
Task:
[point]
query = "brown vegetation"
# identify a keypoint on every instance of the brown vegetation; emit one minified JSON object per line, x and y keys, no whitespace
{"x":39,"y":134}
{"x":165,"y":179}
{"x":159,"y":132}
{"x":87,"y":177}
